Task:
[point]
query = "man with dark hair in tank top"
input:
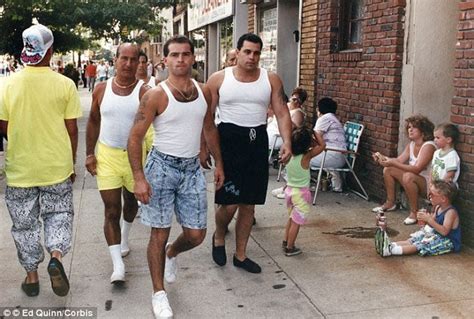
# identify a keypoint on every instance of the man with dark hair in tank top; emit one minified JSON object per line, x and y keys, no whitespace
{"x":242,"y":94}
{"x":114,"y":104}
{"x":173,"y":179}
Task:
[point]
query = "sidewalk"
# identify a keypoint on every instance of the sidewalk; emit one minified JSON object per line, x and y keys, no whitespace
{"x":339,"y":275}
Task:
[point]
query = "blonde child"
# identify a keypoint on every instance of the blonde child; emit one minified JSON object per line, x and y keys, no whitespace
{"x":297,"y":192}
{"x":442,"y":233}
{"x":446,"y":163}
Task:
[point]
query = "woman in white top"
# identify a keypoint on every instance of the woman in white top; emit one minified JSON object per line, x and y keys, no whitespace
{"x":329,"y":128}
{"x":411,"y":168}
{"x":298,"y":97}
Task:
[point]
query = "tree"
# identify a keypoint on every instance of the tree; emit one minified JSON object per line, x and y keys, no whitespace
{"x":75,"y":23}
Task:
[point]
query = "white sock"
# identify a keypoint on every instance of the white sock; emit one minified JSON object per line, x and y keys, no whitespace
{"x":116,"y":254}
{"x":336,"y":180}
{"x":126,"y":226}
{"x":397,"y":250}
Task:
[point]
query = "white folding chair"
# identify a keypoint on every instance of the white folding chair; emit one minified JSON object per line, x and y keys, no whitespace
{"x":353,"y":132}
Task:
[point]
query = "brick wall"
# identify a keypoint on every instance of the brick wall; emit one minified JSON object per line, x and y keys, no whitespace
{"x":308,"y":51}
{"x":366,"y":83}
{"x":462,"y":114}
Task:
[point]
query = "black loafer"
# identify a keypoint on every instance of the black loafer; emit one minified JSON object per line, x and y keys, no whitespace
{"x":218,"y":254}
{"x":59,"y":281}
{"x":248,"y":265}
{"x":31,"y":289}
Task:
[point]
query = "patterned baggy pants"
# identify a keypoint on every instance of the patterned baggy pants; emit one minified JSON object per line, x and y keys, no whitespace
{"x":54,"y":205}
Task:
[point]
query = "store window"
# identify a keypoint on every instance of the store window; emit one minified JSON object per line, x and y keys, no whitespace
{"x":267,"y":30}
{"x":350,"y":24}
{"x":226,"y":34}
{"x":198,"y":37}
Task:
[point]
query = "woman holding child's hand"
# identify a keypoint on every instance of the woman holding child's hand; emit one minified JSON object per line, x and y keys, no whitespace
{"x":411,"y":168}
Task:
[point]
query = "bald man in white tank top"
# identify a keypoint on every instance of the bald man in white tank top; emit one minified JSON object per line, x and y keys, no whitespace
{"x":242,"y":94}
{"x":114,"y":104}
{"x":173,"y":181}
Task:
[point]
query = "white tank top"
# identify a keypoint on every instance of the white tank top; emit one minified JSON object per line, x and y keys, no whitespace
{"x":178,"y":128}
{"x":117,"y":114}
{"x":413,"y":159}
{"x":244,"y":103}
{"x":152,"y":82}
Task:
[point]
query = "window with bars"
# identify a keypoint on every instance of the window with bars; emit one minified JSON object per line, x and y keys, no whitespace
{"x":351,"y":16}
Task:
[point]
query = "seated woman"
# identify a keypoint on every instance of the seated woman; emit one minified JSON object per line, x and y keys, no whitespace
{"x":332,"y":132}
{"x":411,"y":168}
{"x":298,"y":97}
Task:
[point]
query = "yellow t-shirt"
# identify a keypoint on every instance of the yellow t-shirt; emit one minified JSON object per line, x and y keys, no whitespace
{"x":35,"y":102}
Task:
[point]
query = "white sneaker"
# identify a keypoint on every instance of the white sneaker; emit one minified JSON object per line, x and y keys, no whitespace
{"x":277,"y":191}
{"x":161,"y":305}
{"x":118,"y":276}
{"x":171,"y":267}
{"x":281,"y":196}
{"x":124,"y":249}
{"x":387,"y":248}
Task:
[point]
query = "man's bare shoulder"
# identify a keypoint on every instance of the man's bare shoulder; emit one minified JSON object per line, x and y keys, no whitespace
{"x":156,"y":93}
{"x":205,"y":89}
{"x":99,"y":90}
{"x":216,"y":79}
{"x":272,"y":76}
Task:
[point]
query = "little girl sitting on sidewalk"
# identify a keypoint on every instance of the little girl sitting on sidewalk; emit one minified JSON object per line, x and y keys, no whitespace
{"x":442,"y":232}
{"x":297,"y":192}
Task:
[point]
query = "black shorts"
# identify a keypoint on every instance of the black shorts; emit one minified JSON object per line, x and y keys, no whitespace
{"x":245,"y":155}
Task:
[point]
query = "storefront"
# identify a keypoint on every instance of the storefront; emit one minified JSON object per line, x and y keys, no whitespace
{"x":277,"y":22}
{"x":214,"y":27}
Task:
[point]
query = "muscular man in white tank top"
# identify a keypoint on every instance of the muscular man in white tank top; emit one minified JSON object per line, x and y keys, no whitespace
{"x":242,"y":94}
{"x":114,"y":104}
{"x":173,"y":181}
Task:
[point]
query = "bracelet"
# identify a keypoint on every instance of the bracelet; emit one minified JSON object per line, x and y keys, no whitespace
{"x":90,"y":155}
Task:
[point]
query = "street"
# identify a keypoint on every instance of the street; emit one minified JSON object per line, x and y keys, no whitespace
{"x":339,"y":274}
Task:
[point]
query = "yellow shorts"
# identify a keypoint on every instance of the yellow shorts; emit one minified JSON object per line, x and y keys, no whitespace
{"x":113,"y":168}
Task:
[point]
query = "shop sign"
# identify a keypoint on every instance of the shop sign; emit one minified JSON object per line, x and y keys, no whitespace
{"x":204,"y":12}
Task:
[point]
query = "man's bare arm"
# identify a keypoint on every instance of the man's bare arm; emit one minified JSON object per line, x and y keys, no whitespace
{"x":211,"y":136}
{"x":73,"y":132}
{"x":213,"y":84}
{"x":145,"y":115}
{"x":93,"y":128}
{"x":282,"y":115}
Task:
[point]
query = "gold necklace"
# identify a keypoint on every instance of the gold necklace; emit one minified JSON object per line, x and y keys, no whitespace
{"x":181,"y":93}
{"x":124,"y":86}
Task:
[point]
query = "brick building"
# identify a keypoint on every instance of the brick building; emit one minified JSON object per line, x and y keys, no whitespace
{"x":381,"y":67}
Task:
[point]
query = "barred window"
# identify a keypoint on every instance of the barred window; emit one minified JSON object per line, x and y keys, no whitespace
{"x":350,"y":24}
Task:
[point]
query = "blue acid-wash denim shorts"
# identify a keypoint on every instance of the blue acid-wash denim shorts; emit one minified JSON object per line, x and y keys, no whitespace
{"x":178,"y":184}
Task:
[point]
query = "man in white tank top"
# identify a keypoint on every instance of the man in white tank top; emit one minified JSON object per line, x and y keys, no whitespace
{"x":172,"y":181}
{"x":114,"y":104}
{"x":142,"y":71}
{"x":242,"y":94}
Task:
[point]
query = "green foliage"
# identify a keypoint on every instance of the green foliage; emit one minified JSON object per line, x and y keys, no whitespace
{"x":77,"y":22}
